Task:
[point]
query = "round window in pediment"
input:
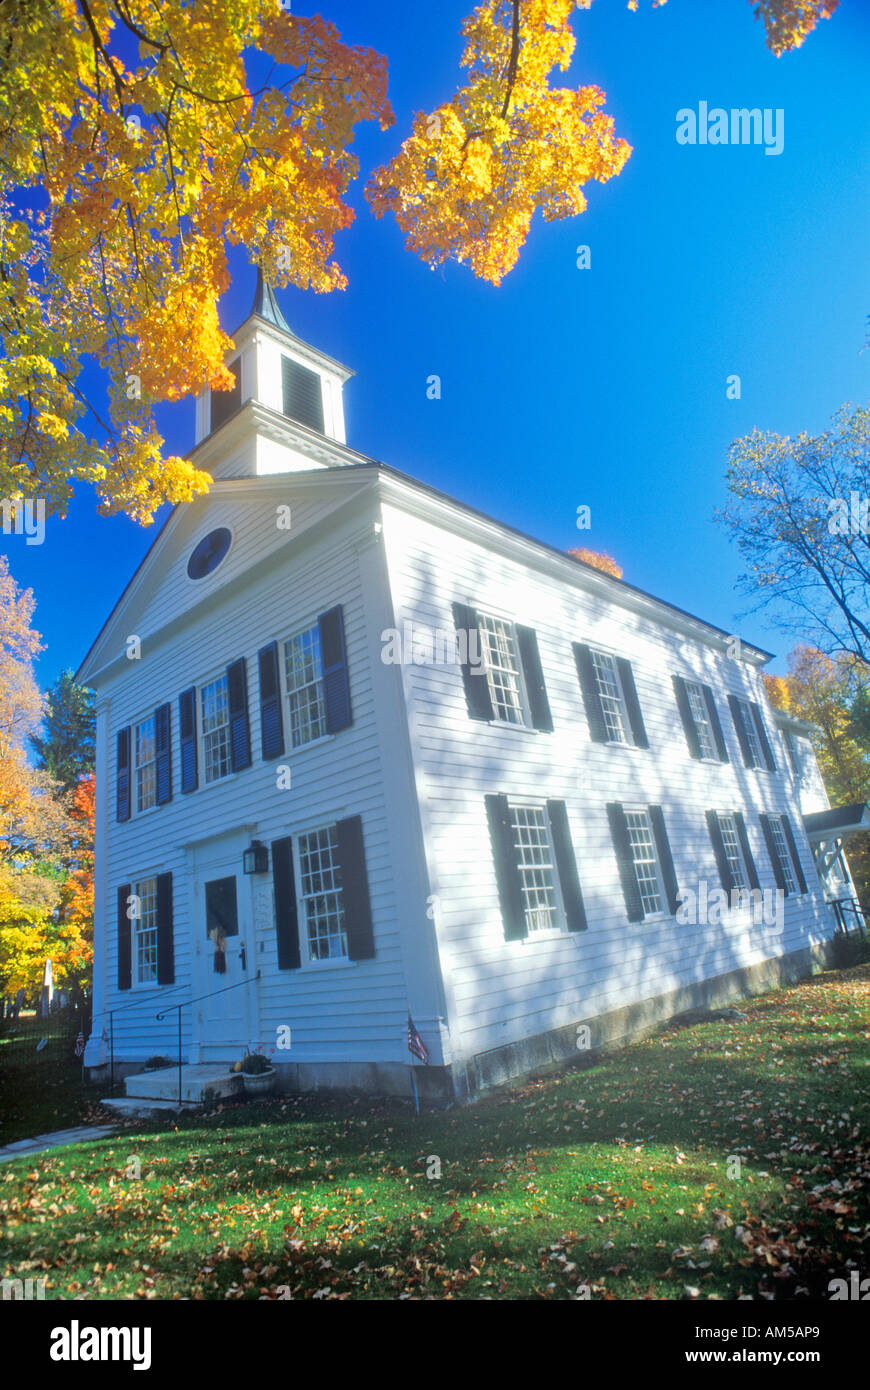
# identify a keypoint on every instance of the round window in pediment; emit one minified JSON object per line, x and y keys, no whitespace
{"x":209,"y":553}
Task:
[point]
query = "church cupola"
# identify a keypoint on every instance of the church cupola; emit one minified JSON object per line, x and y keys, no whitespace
{"x":285,"y":411}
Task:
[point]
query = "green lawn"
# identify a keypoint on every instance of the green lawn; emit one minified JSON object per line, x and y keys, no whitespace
{"x":623,"y":1177}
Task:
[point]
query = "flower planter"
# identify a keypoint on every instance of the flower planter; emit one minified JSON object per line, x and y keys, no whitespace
{"x":259,"y":1083}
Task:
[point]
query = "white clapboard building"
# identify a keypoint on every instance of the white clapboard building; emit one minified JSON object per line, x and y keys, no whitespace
{"x":364,"y":752}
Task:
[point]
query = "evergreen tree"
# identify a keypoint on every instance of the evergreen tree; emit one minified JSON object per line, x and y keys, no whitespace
{"x":66,"y":748}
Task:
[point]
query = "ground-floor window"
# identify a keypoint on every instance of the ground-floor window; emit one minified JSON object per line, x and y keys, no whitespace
{"x":322,"y":901}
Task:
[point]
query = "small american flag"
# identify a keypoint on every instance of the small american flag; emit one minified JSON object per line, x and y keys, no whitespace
{"x":80,"y":1044}
{"x":416,"y":1044}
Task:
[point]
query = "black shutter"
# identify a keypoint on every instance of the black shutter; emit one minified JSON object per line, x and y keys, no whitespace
{"x":355,"y":889}
{"x":625,"y":861}
{"x":122,"y":771}
{"x":766,"y":750}
{"x":775,"y":864}
{"x":271,"y":720}
{"x":591,"y":697}
{"x":302,"y":394}
{"x":632,"y":703}
{"x":474,"y":679}
{"x":163,"y":741}
{"x":737,"y":713}
{"x":237,"y":698}
{"x":539,"y":705}
{"x":566,"y":865}
{"x":718,"y":844}
{"x":286,"y":912}
{"x":715,"y":724}
{"x":224,"y":403}
{"x":687,"y":717}
{"x":793,"y":850}
{"x":187,"y":725}
{"x":165,"y":935}
{"x":748,"y":860}
{"x":125,"y":942}
{"x":507,"y":874}
{"x":336,"y":683}
{"x":666,"y":862}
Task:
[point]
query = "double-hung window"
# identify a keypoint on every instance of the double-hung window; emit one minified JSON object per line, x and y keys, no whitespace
{"x":324,"y":933}
{"x":145,"y":931}
{"x":215,"y":708}
{"x":146,"y":764}
{"x":501,"y":660}
{"x":781,"y":850}
{"x":701,"y":716}
{"x":747,"y":723}
{"x":536,"y":867}
{"x":733,"y":853}
{"x":646,"y":862}
{"x":611,"y":696}
{"x":303,"y":674}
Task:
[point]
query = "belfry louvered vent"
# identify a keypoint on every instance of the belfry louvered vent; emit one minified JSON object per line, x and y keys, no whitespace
{"x":303,"y":394}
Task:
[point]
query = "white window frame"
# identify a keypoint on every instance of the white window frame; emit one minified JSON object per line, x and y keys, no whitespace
{"x":203,"y":733}
{"x":286,"y":692}
{"x":701,"y":716}
{"x":308,"y":962}
{"x":488,"y":616}
{"x":137,"y":930}
{"x":137,"y":768}
{"x":558,"y":923}
{"x":663,"y":912}
{"x":731,"y":816}
{"x":627,"y":741}
{"x":778,"y":836}
{"x":751,"y":732}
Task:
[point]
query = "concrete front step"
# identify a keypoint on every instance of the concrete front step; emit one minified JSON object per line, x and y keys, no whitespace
{"x":134,"y":1108}
{"x":195,"y":1082}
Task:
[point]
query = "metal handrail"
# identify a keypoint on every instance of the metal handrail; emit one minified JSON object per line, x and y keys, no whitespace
{"x":121,"y":1009}
{"x":195,"y":999}
{"x":842,"y":907}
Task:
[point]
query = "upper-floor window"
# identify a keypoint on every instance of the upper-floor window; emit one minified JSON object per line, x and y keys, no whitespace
{"x":145,"y":931}
{"x":611,"y":696}
{"x":215,"y":708}
{"x":701,"y":717}
{"x":536,"y":867}
{"x":303,"y":674}
{"x":325,"y":934}
{"x":751,"y":733}
{"x":146,"y":764}
{"x":747,"y":723}
{"x":500,"y":656}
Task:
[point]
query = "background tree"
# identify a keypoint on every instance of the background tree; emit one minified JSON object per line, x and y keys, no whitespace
{"x":35,"y":835}
{"x":65,"y":748}
{"x":824,"y":690}
{"x":139,"y":140}
{"x":598,"y":559}
{"x":800,"y":520}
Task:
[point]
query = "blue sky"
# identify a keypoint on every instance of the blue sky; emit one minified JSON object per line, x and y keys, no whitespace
{"x":607,"y":386}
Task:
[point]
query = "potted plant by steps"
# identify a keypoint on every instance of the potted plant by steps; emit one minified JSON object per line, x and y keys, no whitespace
{"x":257,"y":1072}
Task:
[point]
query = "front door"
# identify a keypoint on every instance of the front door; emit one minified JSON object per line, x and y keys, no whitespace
{"x":224,"y":953}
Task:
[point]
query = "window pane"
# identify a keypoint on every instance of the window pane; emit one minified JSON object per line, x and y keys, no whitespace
{"x":502,"y":669}
{"x":750,"y":731}
{"x":216,"y":729}
{"x":732,"y":851}
{"x":535,"y":863}
{"x":145,"y":931}
{"x":221,"y":908}
{"x":146,"y":766}
{"x":701,"y":716}
{"x":323,"y":903}
{"x":610,"y":695}
{"x":782,"y":853}
{"x":303,"y":670}
{"x":645,"y":861}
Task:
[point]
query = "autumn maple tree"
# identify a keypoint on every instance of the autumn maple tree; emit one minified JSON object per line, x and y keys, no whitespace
{"x":139,"y":139}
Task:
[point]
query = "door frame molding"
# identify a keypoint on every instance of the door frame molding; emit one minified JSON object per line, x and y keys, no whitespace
{"x":216,"y":856}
